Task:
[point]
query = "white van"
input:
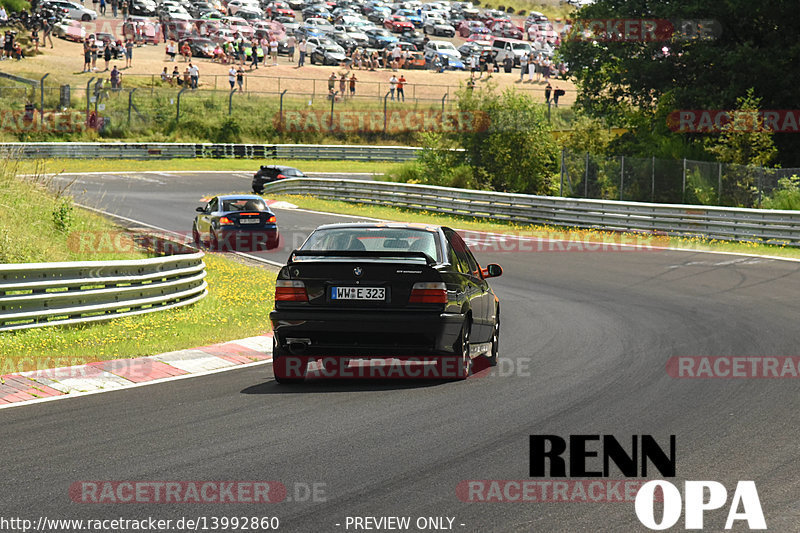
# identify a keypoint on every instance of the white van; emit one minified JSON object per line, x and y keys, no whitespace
{"x":510,"y":47}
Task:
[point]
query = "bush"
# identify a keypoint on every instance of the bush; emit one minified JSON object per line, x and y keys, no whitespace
{"x":510,"y":9}
{"x":12,"y":6}
{"x":521,"y":13}
{"x":786,"y":196}
{"x":501,"y":8}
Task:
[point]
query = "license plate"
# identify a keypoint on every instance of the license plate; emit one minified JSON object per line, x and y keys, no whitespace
{"x":249,"y":221}
{"x":358,"y":293}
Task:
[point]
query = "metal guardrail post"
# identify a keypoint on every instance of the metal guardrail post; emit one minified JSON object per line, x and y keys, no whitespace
{"x":586,"y":177}
{"x":130,"y":104}
{"x":88,"y":99}
{"x":683,"y":188}
{"x":280,"y":111}
{"x":653,"y":181}
{"x":41,"y":95}
{"x":333,"y":102}
{"x":385,"y":111}
{"x":443,"y":99}
{"x":178,"y":110}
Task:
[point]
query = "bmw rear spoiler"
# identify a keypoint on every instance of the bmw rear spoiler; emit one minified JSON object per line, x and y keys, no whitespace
{"x":360,"y":253}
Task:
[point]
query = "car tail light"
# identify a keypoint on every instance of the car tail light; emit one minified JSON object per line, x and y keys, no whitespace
{"x":287,"y":290}
{"x":428,"y":293}
{"x":271,"y":219}
{"x":225,"y":221}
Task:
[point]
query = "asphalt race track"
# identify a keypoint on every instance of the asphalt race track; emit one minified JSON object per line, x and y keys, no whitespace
{"x":585,"y":340}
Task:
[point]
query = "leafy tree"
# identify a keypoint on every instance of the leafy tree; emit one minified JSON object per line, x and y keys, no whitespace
{"x":749,"y":145}
{"x":629,"y":82}
{"x":511,"y":148}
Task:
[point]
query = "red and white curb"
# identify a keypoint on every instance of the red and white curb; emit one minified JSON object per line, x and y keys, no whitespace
{"x":68,"y":382}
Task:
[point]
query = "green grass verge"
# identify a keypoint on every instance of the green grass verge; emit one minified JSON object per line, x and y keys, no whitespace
{"x":239,"y":300}
{"x":39,"y":226}
{"x":573,"y":234}
{"x":54,"y":166}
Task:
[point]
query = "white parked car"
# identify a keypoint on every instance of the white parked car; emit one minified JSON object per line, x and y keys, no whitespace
{"x":438,"y":26}
{"x":235,"y":5}
{"x":75,"y":10}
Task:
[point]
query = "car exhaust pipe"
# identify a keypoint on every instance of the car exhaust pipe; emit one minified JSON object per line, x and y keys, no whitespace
{"x":298,"y":346}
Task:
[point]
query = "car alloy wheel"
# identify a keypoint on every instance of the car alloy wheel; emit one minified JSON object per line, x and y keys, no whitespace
{"x":86,"y":18}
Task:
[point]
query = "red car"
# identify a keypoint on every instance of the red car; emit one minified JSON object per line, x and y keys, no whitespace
{"x":279,"y":9}
{"x":397,"y":24}
{"x":507,"y":29}
{"x":468,"y":27}
{"x":490,"y":22}
{"x":480,"y":37}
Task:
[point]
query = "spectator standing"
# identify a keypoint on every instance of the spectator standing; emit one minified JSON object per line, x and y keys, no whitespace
{"x":533,"y":65}
{"x":107,"y":53}
{"x":103,"y":8}
{"x":128,"y":53}
{"x":124,"y":7}
{"x":194,"y":74}
{"x":353,"y":80}
{"x":253,"y":54}
{"x":273,"y":50}
{"x":264,"y":43}
{"x":93,"y":50}
{"x":291,"y":42}
{"x":547,"y":91}
{"x":557,"y":93}
{"x":302,"y":49}
{"x":35,"y":38}
{"x":393,"y":85}
{"x":87,"y":54}
{"x":232,"y":77}
{"x":332,"y":83}
{"x":400,"y":85}
{"x":523,"y":66}
{"x":240,"y":78}
{"x":114,"y":5}
{"x":115,"y":79}
{"x":3,"y":15}
{"x":47,"y":30}
{"x":343,"y":84}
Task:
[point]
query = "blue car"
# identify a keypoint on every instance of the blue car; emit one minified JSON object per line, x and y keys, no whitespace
{"x":411,"y":16}
{"x":380,"y":38}
{"x":450,"y":62}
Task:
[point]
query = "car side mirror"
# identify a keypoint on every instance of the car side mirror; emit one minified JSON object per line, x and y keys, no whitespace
{"x":492,"y":270}
{"x":200,"y":209}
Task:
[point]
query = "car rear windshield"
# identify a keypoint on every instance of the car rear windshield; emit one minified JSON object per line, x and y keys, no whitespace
{"x":374,"y":240}
{"x":244,"y":205}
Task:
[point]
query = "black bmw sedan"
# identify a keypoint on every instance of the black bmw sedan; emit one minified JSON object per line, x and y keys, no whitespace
{"x":384,"y":290}
{"x":236,"y":223}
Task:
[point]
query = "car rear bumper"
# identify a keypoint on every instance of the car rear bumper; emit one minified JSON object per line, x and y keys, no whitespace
{"x":247,"y":239}
{"x":365,"y":333}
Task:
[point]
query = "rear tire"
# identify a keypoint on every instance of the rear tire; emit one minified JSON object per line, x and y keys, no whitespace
{"x":457,"y":367}
{"x":213,"y":242}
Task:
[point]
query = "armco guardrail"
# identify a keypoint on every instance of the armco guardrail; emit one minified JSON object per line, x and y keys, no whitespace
{"x":45,"y":294}
{"x":113,"y":150}
{"x":771,"y":226}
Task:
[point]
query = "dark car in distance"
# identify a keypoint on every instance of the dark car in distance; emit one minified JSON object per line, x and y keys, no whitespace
{"x":240,"y":222}
{"x":358,"y":291}
{"x":269,"y":173}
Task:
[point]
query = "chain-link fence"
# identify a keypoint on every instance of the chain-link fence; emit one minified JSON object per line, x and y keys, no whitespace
{"x":656,"y":180}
